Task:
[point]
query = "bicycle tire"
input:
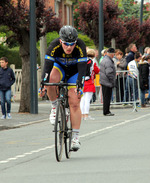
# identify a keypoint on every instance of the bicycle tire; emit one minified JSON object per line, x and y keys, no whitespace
{"x":59,"y":131}
{"x":68,"y":135}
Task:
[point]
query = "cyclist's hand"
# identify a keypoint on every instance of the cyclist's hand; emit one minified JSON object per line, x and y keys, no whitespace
{"x":78,"y":89}
{"x":42,"y":92}
{"x":78,"y":92}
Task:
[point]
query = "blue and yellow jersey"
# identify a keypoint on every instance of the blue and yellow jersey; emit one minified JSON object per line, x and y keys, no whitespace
{"x":56,"y":53}
{"x":70,"y":63}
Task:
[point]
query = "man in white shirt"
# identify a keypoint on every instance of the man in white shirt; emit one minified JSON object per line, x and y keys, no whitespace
{"x":131,"y":81}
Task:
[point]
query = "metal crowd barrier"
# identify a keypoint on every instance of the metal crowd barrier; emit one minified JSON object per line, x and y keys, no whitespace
{"x":125,"y":92}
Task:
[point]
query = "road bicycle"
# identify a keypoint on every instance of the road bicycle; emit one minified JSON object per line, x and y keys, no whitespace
{"x":62,"y":127}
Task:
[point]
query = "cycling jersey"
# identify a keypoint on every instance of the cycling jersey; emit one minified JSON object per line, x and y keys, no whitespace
{"x":71,"y":64}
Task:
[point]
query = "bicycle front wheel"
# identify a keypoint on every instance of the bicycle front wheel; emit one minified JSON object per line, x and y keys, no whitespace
{"x":59,"y":131}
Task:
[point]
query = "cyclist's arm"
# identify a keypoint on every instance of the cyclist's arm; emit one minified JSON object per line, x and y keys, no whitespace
{"x":82,"y":61}
{"x":48,"y":65}
{"x":81,"y":72}
{"x":49,"y":60}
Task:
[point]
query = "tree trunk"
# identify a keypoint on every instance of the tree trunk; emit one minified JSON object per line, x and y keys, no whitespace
{"x":43,"y":48}
{"x":25,"y":88}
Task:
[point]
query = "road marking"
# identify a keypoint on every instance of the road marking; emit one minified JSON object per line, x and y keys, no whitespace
{"x":26,"y":154}
{"x":116,"y":125}
{"x":82,"y":136}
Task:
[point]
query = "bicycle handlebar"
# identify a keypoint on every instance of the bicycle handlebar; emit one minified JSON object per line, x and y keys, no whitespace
{"x":59,"y":84}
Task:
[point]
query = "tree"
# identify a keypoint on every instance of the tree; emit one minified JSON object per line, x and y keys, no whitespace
{"x":16,"y":17}
{"x":113,"y":25}
{"x":124,"y":31}
{"x":89,"y":20}
{"x":132,"y":27}
{"x":132,"y":9}
{"x":144,"y":38}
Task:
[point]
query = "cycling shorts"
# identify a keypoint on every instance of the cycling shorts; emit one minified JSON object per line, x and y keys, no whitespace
{"x":70,"y":78}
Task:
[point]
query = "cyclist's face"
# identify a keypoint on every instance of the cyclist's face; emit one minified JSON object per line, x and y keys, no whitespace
{"x":67,"y":47}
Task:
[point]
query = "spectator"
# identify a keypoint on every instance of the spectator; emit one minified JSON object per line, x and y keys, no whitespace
{"x":131,"y":81}
{"x":148,"y":59}
{"x":103,"y":53}
{"x":107,"y":80}
{"x":7,"y":79}
{"x":127,"y":52}
{"x":148,"y":51}
{"x":120,"y":66}
{"x":125,"y":57}
{"x":145,"y":51}
{"x":133,"y":50}
{"x":95,"y":61}
{"x":143,"y":78}
{"x":95,"y":58}
{"x":89,"y":87}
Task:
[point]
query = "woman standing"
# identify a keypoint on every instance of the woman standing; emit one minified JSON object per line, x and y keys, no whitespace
{"x":143,"y":78}
{"x":148,"y":59}
{"x":89,"y":87}
{"x":120,"y":63}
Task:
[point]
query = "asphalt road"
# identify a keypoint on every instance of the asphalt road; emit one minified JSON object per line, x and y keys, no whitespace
{"x":113,"y":150}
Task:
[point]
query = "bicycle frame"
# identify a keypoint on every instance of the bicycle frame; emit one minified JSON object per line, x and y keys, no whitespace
{"x":63,"y":132}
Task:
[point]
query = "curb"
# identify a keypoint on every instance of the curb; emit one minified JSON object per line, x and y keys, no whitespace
{"x":92,"y":108}
{"x":21,"y":125}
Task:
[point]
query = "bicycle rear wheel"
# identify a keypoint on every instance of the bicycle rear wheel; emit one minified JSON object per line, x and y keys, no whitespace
{"x":59,"y":131}
{"x":68,"y":134}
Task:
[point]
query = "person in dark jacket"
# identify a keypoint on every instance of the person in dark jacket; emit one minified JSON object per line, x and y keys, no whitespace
{"x":107,"y":79}
{"x":133,"y":50}
{"x":7,"y":79}
{"x":143,"y":78}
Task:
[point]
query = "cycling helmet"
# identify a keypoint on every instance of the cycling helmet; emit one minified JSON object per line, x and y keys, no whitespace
{"x":68,"y":33}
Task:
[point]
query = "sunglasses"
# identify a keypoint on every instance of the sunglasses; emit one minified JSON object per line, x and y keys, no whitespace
{"x":68,"y":44}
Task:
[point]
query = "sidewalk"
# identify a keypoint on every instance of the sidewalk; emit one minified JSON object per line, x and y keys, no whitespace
{"x":23,"y":119}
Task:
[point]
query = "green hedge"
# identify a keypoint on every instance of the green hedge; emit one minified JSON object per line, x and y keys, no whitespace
{"x":51,"y":36}
{"x":12,"y":55}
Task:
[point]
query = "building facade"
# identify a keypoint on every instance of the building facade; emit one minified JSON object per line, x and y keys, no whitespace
{"x":62,"y":8}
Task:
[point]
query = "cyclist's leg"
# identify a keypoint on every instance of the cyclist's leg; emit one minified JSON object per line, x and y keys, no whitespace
{"x":74,"y":103}
{"x":75,"y":113}
{"x":57,"y":74}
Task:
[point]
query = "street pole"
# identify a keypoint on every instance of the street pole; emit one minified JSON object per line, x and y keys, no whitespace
{"x":33,"y":62}
{"x":101,"y":28}
{"x":141,"y":12}
{"x":141,"y":21}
